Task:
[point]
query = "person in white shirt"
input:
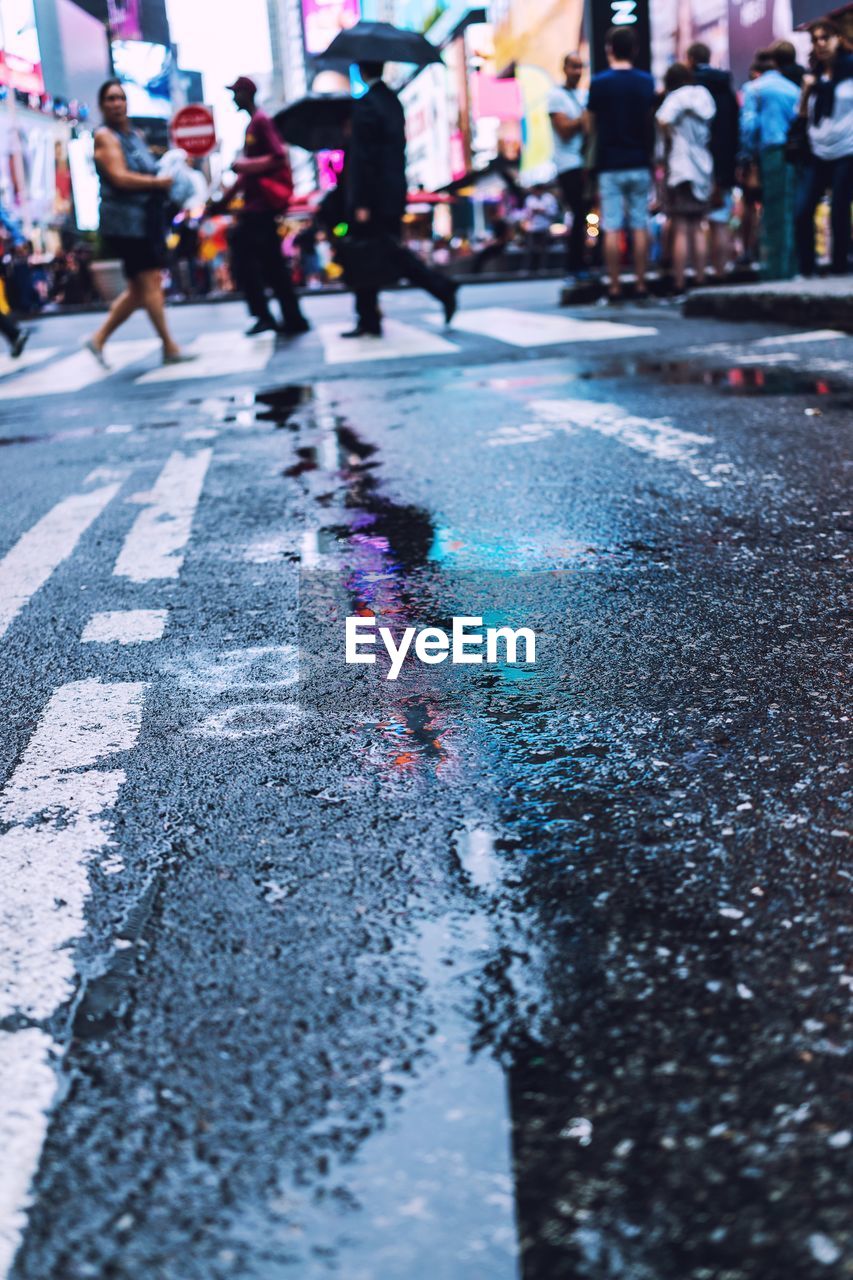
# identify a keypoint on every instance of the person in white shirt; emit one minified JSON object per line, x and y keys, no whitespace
{"x":539,"y":212}
{"x":827,"y":105}
{"x":566,"y":110}
{"x":684,"y":119}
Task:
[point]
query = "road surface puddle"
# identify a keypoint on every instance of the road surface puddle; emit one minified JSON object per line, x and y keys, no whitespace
{"x":747,"y":380}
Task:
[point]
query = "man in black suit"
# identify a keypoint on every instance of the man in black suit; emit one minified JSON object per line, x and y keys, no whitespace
{"x":376,"y":197}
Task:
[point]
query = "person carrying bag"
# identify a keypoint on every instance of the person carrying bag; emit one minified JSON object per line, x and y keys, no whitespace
{"x":265,"y":183}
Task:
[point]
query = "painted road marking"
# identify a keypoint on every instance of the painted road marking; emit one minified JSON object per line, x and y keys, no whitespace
{"x":154,"y":548}
{"x":126,"y":626}
{"x":529,"y":329}
{"x":218,"y":354}
{"x":33,"y":558}
{"x":45,"y":886}
{"x":32,"y":355}
{"x":815,"y":335}
{"x":655,"y":437}
{"x":397,"y":342}
{"x":77,"y":371}
{"x":27,"y":1090}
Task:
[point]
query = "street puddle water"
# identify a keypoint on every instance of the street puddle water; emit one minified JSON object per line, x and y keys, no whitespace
{"x":279,"y":404}
{"x":431,"y":1192}
{"x":747,"y":380}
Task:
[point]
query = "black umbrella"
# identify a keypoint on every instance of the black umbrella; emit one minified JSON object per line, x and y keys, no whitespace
{"x":381,"y":42}
{"x":316,"y":122}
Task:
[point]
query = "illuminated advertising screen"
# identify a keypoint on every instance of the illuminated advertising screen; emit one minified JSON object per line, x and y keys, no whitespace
{"x":145,"y":72}
{"x":20,"y":59}
{"x":323,"y":19}
{"x":132,"y":19}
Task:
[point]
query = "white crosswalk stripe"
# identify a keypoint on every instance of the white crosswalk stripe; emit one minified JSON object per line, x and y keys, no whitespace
{"x":218,"y":354}
{"x":30,"y":562}
{"x":60,"y":781}
{"x":32,"y":355}
{"x":154,"y":548}
{"x":534,"y":329}
{"x":399,"y":341}
{"x":77,"y":371}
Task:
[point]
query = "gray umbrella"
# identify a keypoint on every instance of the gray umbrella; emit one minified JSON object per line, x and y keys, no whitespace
{"x":382,"y":42}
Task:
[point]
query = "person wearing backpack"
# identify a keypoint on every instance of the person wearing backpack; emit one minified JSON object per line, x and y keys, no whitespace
{"x":725,"y":128}
{"x":265,"y":182}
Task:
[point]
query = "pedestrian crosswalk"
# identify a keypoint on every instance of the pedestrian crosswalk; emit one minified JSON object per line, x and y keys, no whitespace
{"x":399,"y":341}
{"x":52,"y":370}
{"x":75,"y":372}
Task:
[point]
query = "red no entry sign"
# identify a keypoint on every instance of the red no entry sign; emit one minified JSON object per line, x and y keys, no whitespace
{"x":193,"y":130}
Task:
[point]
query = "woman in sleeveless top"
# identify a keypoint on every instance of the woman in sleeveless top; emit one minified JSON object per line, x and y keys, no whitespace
{"x":131,"y":222}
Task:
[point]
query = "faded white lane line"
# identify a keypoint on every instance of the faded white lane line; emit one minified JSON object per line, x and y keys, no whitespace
{"x":44,"y":866}
{"x":33,"y":558}
{"x":77,"y":371}
{"x":530,"y":329}
{"x":27,"y":1089}
{"x":656,"y":437}
{"x":814,"y":335}
{"x":155,"y":546}
{"x":398,"y":341}
{"x":218,"y":354}
{"x":126,"y":626}
{"x":44,"y":870}
{"x":32,"y":355}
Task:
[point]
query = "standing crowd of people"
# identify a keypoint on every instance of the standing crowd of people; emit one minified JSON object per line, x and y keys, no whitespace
{"x":782,"y":142}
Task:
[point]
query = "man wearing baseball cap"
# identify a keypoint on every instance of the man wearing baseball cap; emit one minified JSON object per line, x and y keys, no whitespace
{"x":265,"y":182}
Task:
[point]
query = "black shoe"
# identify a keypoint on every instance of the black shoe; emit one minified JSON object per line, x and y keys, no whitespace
{"x":362,"y":331}
{"x":261,"y":326}
{"x":19,"y":343}
{"x":293,"y":330}
{"x":450,"y":304}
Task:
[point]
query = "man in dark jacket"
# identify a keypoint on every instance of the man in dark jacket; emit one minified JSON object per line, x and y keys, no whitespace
{"x":725,"y":128}
{"x":375,"y":181}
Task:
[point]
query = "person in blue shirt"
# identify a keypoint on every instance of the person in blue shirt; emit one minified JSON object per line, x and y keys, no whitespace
{"x":620,"y":108}
{"x":769,"y":105}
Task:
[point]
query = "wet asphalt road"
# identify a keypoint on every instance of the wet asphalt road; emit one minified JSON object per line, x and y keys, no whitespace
{"x":492,"y":972}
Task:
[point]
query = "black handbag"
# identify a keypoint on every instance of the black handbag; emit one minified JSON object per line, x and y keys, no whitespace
{"x":797,"y":146}
{"x":369,"y":262}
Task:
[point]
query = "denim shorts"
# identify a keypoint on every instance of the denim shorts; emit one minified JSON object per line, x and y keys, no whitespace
{"x":624,"y":197}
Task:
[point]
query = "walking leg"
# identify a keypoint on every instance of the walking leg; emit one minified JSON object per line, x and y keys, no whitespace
{"x":8,"y":328}
{"x":812,"y":182}
{"x":842,"y":195}
{"x":613,"y":260}
{"x":679,"y":253}
{"x":250,"y":257}
{"x":640,"y":244}
{"x":700,"y":249}
{"x":276,"y":272}
{"x":122,"y":309}
{"x":150,"y":288}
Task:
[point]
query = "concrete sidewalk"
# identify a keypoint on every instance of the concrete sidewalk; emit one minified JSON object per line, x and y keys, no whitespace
{"x":825,"y":302}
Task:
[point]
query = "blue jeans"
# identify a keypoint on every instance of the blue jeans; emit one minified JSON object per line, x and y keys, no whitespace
{"x":817,"y":176}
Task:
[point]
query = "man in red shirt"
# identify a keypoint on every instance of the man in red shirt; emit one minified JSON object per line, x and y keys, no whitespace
{"x":265,"y":182}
